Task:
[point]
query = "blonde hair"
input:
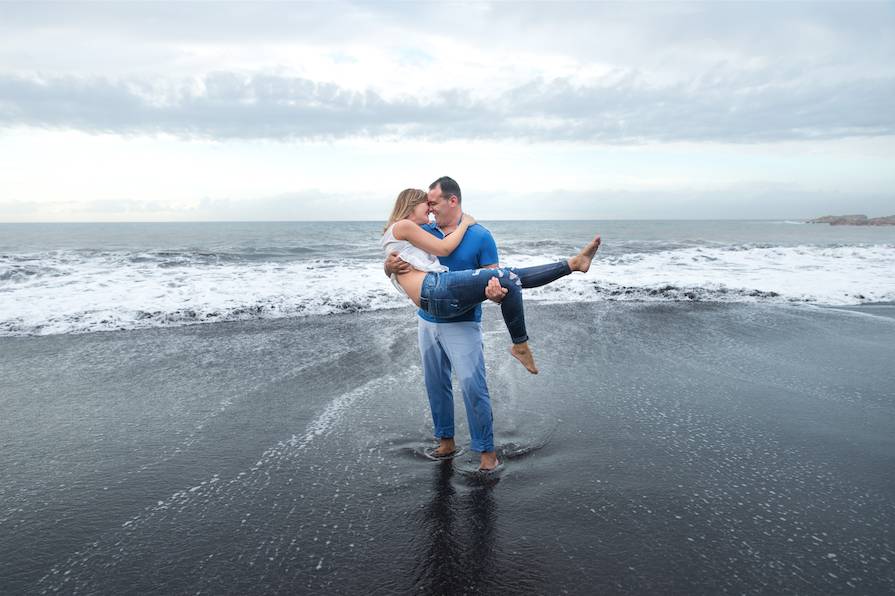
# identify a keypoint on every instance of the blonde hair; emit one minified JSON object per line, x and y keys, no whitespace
{"x":407,"y":200}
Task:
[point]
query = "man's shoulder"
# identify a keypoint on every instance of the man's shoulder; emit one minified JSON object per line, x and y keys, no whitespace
{"x":479,"y":232}
{"x":476,"y":232}
{"x":477,"y":249}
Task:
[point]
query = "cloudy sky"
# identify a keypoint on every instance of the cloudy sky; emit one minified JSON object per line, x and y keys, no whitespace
{"x":229,"y":111}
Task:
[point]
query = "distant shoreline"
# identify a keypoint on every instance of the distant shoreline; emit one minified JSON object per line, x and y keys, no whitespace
{"x":854,"y":220}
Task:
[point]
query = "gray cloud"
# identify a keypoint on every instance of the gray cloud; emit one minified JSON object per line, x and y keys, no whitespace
{"x":721,"y":105}
{"x":193,"y":21}
{"x":577,"y":27}
{"x":728,"y":72}
{"x":667,"y":37}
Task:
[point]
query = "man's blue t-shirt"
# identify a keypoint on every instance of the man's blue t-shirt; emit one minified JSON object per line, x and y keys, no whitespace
{"x":476,"y":250}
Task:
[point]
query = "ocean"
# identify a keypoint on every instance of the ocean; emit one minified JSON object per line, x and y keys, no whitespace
{"x":77,"y":278}
{"x":235,"y":408}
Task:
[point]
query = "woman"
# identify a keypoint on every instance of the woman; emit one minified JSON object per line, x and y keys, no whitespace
{"x":447,"y":294}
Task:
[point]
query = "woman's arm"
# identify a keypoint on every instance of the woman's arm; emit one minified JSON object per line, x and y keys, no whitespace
{"x":417,"y":236}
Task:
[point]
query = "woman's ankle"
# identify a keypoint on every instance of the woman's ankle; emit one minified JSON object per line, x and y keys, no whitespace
{"x":522,"y":353}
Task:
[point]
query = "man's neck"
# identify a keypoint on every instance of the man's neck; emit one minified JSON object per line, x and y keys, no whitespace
{"x":450,"y":227}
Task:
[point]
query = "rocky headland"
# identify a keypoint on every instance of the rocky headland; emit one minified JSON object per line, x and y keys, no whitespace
{"x":854,"y":220}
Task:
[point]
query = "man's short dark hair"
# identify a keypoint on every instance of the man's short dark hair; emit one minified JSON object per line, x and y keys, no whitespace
{"x":448,"y":186}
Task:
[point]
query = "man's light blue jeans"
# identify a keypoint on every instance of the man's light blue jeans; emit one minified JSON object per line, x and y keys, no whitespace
{"x":457,"y":346}
{"x":453,"y":293}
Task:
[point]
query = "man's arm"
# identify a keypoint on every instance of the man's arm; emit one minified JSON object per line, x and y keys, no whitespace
{"x":395,"y":265}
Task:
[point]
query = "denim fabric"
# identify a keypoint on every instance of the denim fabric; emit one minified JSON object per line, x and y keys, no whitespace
{"x":453,"y":293}
{"x":457,"y":346}
{"x":476,"y":250}
{"x":541,"y":275}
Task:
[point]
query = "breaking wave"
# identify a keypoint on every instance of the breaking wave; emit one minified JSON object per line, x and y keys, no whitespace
{"x":78,"y":292}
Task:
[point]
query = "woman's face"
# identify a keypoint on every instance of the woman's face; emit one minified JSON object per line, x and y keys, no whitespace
{"x":420,"y":214}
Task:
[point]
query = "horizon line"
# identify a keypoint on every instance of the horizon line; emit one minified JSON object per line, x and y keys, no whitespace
{"x":37,"y":222}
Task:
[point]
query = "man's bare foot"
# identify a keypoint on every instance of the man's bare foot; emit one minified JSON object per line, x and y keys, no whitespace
{"x":581,"y":261}
{"x":488,"y":461}
{"x":445,"y":447}
{"x":522,"y":353}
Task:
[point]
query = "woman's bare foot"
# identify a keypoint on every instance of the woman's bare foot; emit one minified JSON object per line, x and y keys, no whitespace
{"x":581,"y":261}
{"x":522,"y":353}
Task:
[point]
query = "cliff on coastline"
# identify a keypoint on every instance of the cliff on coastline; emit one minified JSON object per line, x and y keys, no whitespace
{"x":854,"y":220}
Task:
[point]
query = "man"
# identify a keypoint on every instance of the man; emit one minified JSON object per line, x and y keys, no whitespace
{"x":456,"y":344}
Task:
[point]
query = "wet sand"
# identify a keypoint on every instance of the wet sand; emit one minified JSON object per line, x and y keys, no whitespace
{"x":664,"y":448}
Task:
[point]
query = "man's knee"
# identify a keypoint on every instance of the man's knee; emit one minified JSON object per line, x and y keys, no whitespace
{"x":471,"y":373}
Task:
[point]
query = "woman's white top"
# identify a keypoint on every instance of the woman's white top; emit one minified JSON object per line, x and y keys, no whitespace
{"x":417,"y":257}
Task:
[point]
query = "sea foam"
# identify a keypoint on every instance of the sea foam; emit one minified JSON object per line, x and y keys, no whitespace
{"x":76,"y":292}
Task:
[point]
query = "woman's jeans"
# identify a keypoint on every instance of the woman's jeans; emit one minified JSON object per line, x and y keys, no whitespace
{"x":453,"y":293}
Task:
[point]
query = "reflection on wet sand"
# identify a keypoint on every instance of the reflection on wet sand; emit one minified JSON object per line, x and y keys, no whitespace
{"x":456,"y":546}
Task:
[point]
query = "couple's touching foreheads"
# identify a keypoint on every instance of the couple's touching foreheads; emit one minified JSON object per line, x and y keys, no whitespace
{"x":448,"y":268}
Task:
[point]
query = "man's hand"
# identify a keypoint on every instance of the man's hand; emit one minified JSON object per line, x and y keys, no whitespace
{"x":494,"y":291}
{"x":395,"y":265}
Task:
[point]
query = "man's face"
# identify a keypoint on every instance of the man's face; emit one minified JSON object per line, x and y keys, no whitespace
{"x":440,"y":206}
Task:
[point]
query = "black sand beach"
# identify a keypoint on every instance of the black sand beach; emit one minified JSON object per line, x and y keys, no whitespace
{"x":664,"y":448}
